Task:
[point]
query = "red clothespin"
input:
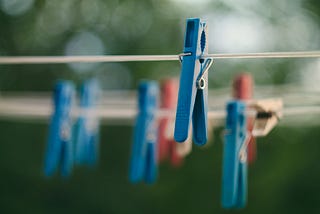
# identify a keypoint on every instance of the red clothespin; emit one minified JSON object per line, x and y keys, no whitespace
{"x":167,"y":145}
{"x":243,"y":90}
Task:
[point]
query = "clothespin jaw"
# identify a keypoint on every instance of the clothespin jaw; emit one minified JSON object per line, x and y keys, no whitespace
{"x":234,"y":179}
{"x":193,"y":90}
{"x":269,"y":112}
{"x":60,"y":145}
{"x":87,"y":133}
{"x":243,"y":90}
{"x":143,"y":164}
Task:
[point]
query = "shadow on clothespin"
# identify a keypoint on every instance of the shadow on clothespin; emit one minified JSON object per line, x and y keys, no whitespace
{"x":243,"y":90}
{"x":234,"y":178}
{"x":143,"y":165}
{"x":87,"y":126}
{"x":193,"y":89}
{"x":168,"y":147}
{"x":269,"y":112}
{"x":60,"y":144}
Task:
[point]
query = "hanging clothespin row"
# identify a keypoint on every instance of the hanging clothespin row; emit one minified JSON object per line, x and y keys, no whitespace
{"x":60,"y":142}
{"x":143,"y":165}
{"x":87,"y":126}
{"x":269,"y":112}
{"x":234,"y":178}
{"x":168,"y":147}
{"x":243,"y":90}
{"x":193,"y":89}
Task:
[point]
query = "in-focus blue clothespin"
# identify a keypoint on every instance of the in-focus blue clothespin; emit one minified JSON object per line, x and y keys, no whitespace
{"x":87,"y":127}
{"x":234,"y":179}
{"x":143,"y":164}
{"x":193,"y":90}
{"x":60,"y":145}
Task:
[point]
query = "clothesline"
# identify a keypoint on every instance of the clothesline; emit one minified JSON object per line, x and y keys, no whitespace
{"x":217,"y":97}
{"x":136,"y":58}
{"x":34,"y":111}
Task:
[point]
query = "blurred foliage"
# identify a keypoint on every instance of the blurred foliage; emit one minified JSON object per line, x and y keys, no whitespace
{"x":284,"y":178}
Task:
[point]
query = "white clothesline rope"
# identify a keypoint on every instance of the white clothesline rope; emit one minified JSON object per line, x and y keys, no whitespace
{"x":137,"y":58}
{"x":31,"y":111}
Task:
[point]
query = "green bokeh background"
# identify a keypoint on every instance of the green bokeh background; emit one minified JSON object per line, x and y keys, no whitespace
{"x":284,"y":179}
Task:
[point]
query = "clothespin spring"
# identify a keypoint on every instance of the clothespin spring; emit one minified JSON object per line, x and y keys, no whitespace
{"x":201,"y":82}
{"x":243,"y":150}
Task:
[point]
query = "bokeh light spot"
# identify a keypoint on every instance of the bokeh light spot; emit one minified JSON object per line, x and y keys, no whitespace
{"x":84,"y":43}
{"x":16,"y":7}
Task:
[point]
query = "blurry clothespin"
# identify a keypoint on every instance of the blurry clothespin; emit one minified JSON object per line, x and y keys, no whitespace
{"x":60,"y":145}
{"x":168,"y":100}
{"x":243,"y":90}
{"x":87,"y":126}
{"x":168,"y":147}
{"x":234,"y":178}
{"x":193,"y":89}
{"x":269,"y":112}
{"x":143,"y":165}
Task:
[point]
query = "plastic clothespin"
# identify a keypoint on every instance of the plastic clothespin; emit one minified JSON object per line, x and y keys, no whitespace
{"x":193,"y":90}
{"x":60,"y":144}
{"x":143,"y":164}
{"x":166,"y":143}
{"x":269,"y":112}
{"x":234,"y":179}
{"x":87,"y":131}
{"x":243,"y":90}
{"x":168,"y":147}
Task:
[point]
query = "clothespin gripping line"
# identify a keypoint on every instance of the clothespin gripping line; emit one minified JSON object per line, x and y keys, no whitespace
{"x":182,"y":55}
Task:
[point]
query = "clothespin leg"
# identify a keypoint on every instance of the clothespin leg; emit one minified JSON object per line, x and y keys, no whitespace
{"x":242,"y":186}
{"x":54,"y":148}
{"x":163,"y":143}
{"x":80,"y":148}
{"x":93,"y":150}
{"x":151,"y":163}
{"x":137,"y":163}
{"x":230,"y":172}
{"x":234,"y":179}
{"x":67,"y":158}
{"x":199,"y":119}
{"x":176,"y":159}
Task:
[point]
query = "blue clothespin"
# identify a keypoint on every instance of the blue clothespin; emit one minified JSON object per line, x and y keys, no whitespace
{"x":193,"y":90}
{"x":143,"y":164}
{"x":234,"y":179}
{"x":60,"y":145}
{"x":87,"y":127}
